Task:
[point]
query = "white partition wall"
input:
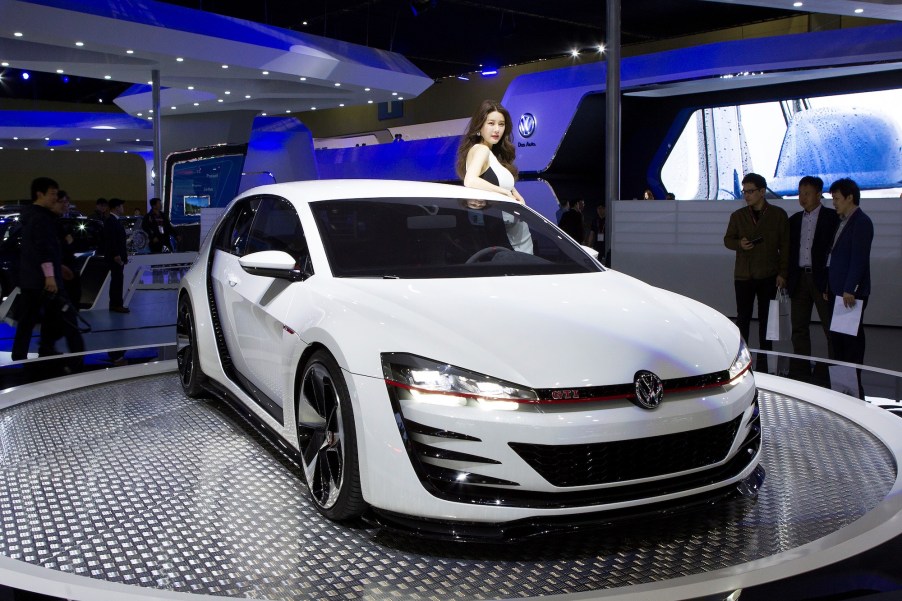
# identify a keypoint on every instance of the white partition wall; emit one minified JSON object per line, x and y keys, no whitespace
{"x":678,"y":246}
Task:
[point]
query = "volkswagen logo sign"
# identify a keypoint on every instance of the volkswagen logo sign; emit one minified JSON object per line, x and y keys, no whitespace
{"x":649,"y":390}
{"x":527,"y":125}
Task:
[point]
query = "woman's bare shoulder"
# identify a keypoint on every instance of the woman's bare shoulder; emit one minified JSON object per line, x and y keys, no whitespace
{"x":478,"y":151}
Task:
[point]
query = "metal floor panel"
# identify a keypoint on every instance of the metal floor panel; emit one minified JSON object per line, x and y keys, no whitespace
{"x":134,"y":483}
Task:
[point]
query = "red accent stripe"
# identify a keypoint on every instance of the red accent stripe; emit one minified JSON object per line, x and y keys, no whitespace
{"x":561,"y":401}
{"x":467,"y":395}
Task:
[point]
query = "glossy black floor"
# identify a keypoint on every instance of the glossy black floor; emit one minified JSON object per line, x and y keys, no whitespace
{"x":876,"y":574}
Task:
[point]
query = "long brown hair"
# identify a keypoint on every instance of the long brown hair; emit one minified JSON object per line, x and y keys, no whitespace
{"x":503,"y":150}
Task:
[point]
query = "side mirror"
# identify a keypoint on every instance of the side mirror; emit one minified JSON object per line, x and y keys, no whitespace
{"x":272,"y":264}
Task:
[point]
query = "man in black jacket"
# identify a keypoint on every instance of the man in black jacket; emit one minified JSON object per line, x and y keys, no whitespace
{"x":116,"y":252}
{"x":810,"y":238}
{"x":40,"y":281}
{"x":158,"y":227}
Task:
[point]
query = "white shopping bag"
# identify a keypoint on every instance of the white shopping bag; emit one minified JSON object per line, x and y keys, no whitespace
{"x":9,"y":309}
{"x":779,"y":325}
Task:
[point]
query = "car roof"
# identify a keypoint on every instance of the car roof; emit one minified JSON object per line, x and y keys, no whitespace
{"x":325,"y":189}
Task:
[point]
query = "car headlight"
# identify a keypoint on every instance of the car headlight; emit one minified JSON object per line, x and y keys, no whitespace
{"x":742,"y":363}
{"x":416,"y":379}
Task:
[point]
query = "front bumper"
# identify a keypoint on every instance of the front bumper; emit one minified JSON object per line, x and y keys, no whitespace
{"x":463,"y":464}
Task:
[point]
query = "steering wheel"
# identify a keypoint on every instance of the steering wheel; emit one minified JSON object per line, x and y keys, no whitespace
{"x":485,"y":254}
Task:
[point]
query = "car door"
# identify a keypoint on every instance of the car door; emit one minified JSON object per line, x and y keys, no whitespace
{"x":254,"y":308}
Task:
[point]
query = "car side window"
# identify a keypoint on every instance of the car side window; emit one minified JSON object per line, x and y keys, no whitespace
{"x":232,"y":235}
{"x":278,"y":227}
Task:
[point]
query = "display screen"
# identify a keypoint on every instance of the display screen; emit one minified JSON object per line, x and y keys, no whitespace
{"x":846,"y":135}
{"x":202,"y":178}
{"x":193,"y":204}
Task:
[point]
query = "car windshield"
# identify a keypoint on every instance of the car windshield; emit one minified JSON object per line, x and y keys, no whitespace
{"x":442,"y":238}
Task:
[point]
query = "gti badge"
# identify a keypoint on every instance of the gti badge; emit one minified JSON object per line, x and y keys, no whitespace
{"x":649,"y":389}
{"x":559,"y":395}
{"x":527,"y":125}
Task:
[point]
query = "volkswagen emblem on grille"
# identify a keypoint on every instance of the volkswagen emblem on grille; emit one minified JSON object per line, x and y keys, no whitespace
{"x":649,"y":390}
{"x":527,"y":125}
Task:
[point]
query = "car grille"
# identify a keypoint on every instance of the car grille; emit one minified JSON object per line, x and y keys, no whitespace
{"x":625,"y":460}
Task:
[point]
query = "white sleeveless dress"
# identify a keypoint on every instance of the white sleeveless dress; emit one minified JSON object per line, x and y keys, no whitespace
{"x":517,"y":230}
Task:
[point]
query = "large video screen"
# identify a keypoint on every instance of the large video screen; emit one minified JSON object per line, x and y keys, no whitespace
{"x":202,"y":179}
{"x":850,"y":135}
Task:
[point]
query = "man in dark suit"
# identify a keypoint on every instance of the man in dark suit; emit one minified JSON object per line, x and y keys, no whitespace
{"x":810,"y":238}
{"x":849,"y":265}
{"x":41,"y":293}
{"x":116,"y":252}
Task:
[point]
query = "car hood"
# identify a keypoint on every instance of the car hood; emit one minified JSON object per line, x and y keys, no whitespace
{"x":542,"y":331}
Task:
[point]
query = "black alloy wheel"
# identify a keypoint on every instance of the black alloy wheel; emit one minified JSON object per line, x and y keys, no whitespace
{"x":186,"y":349}
{"x":327,"y":437}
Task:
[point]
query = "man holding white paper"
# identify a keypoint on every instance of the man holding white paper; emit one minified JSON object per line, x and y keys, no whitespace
{"x":849,"y":272}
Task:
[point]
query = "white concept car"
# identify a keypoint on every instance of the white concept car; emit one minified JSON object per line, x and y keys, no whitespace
{"x":445,"y":359}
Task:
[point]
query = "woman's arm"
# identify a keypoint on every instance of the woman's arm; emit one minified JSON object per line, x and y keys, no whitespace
{"x":517,"y":196}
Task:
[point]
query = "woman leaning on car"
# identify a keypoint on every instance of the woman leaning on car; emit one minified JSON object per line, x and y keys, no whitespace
{"x":485,"y":161}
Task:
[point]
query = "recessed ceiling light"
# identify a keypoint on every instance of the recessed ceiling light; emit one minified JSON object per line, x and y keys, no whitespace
{"x":263,"y":114}
{"x":247,"y":95}
{"x":219,"y":100}
{"x":179,"y":60}
{"x":341,"y":104}
{"x":303,"y":79}
{"x":137,"y":139}
{"x":108,"y":140}
{"x":394,"y":93}
{"x":125,"y":151}
{"x":4,"y":64}
{"x":225,"y":66}
{"x":15,"y":137}
{"x":798,"y":4}
{"x":18,"y":34}
{"x":266,"y":73}
{"x":172,"y":107}
{"x":337,"y":85}
{"x":196,"y":104}
{"x":312,"y":108}
{"x":858,"y":11}
{"x":79,"y":44}
{"x":108,"y":77}
{"x":150,"y":83}
{"x":288,"y":111}
{"x":400,"y":98}
{"x":369,"y":102}
{"x":366,"y":89}
{"x":190,"y":87}
{"x":227,"y":92}
{"x":129,"y":51}
{"x":140,"y":114}
{"x":60,"y":71}
{"x":78,"y":150}
{"x":48,"y":139}
{"x":78,"y":139}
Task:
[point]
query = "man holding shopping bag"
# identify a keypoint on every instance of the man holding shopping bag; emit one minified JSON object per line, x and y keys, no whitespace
{"x":759,"y":234}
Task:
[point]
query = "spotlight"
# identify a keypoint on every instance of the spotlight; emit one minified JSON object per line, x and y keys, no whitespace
{"x":26,"y":75}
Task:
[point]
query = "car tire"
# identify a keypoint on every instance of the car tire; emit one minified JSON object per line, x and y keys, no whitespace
{"x":328,"y":439}
{"x":186,"y":350}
